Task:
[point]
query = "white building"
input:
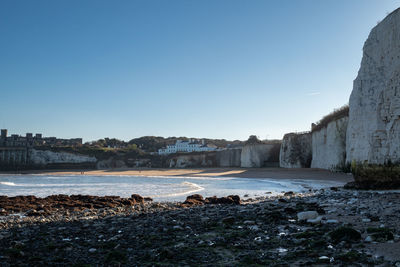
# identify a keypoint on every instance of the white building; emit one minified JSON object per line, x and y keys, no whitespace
{"x":186,"y":146}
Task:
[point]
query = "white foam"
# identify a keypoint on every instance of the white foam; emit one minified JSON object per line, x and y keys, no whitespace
{"x":160,"y":188}
{"x":8,"y":183}
{"x":193,"y":188}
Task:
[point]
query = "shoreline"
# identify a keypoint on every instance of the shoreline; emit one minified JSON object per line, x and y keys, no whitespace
{"x":272,"y":173}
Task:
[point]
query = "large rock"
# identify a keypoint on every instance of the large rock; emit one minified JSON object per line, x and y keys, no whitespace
{"x":373,"y":133}
{"x":46,"y":157}
{"x":329,"y":145}
{"x":36,"y":206}
{"x":258,"y":155}
{"x":296,"y":151}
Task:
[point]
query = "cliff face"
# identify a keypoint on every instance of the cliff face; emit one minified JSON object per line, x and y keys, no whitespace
{"x":46,"y":157}
{"x":229,"y":158}
{"x":110,"y":163}
{"x":250,"y":156}
{"x":256,"y":155}
{"x":295,"y":151}
{"x":329,"y":145}
{"x":193,"y":160}
{"x":373,"y":133}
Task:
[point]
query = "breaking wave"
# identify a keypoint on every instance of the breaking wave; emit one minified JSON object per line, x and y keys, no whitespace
{"x":192,"y":188}
{"x":8,"y":183}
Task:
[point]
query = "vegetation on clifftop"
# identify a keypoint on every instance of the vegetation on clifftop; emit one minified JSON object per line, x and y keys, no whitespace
{"x":335,"y":115}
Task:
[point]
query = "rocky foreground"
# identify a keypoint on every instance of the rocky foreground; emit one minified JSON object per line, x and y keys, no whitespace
{"x":331,"y":227}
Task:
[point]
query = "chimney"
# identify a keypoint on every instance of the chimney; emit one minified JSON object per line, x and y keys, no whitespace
{"x":3,"y":133}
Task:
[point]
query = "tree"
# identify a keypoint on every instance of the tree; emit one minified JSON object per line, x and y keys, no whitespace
{"x":253,"y":140}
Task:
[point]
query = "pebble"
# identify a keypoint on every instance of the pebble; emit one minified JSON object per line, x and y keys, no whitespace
{"x":92,"y":250}
{"x":254,"y":228}
{"x":315,"y":221}
{"x":368,"y":239}
{"x":331,"y":221}
{"x":307,"y":215}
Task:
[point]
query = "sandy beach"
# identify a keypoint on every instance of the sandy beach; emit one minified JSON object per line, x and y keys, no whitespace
{"x":275,"y":173}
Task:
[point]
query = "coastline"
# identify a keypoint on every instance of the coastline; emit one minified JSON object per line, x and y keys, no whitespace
{"x":273,"y":173}
{"x":344,"y":226}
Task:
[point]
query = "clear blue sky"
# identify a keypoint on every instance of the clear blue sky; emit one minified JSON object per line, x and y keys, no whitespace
{"x":209,"y":68}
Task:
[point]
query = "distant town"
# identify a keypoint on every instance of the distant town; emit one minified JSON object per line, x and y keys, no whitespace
{"x":30,"y":140}
{"x":159,"y":145}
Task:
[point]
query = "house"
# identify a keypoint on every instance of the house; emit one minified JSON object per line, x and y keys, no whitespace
{"x":186,"y":146}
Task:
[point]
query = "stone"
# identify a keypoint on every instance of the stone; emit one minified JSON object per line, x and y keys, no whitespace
{"x":380,"y":234}
{"x":137,"y":198}
{"x":254,"y":228}
{"x":373,"y":133}
{"x":232,"y":199}
{"x":368,"y":239}
{"x":228,"y":220}
{"x":346,"y":234}
{"x":92,"y":250}
{"x":324,"y":259}
{"x":331,"y":221}
{"x":315,"y":221}
{"x":307,"y":215}
{"x":195,"y":199}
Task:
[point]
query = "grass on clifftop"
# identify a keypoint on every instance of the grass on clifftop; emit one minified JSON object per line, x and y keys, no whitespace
{"x":335,"y":115}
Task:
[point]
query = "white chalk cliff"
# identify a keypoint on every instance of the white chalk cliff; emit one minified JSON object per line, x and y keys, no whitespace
{"x":329,"y":145}
{"x":295,"y":150}
{"x":44,"y":157}
{"x":255,"y":155}
{"x":373,"y":132}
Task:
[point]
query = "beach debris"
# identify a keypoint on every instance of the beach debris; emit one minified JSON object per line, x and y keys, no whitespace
{"x":196,"y":199}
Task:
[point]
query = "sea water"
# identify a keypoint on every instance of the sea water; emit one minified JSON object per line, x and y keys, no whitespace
{"x":159,"y":188}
